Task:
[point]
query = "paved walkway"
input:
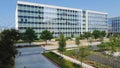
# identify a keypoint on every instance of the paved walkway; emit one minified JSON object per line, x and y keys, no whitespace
{"x":73,"y":60}
{"x":69,"y":46}
{"x":32,"y":58}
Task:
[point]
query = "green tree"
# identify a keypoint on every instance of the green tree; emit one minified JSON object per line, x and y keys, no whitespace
{"x":72,"y":35}
{"x":81,"y":36}
{"x":115,"y":35}
{"x":87,"y":35}
{"x":108,"y":35}
{"x":113,"y":44}
{"x":101,"y":38}
{"x":117,"y":42}
{"x":62,"y":43}
{"x":90,"y":41}
{"x":83,"y":52}
{"x":77,"y":41}
{"x":14,"y":34}
{"x":103,"y":33}
{"x":92,"y":37}
{"x":96,"y":34}
{"x":8,"y":48}
{"x":46,"y":35}
{"x":112,"y":47}
{"x":112,"y":38}
{"x":29,"y":35}
{"x":103,"y":46}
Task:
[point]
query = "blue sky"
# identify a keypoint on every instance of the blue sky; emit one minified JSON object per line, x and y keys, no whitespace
{"x":7,"y":8}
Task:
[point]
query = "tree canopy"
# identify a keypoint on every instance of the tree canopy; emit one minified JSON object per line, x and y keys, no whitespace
{"x":72,"y":35}
{"x":83,"y":52}
{"x":111,"y":46}
{"x":103,"y":33}
{"x":87,"y":35}
{"x":29,"y":35}
{"x":46,"y":35}
{"x":62,"y":43}
{"x":7,"y":47}
{"x":77,"y":41}
{"x":96,"y":34}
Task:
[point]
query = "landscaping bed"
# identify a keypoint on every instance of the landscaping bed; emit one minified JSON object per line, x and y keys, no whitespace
{"x":28,"y":46}
{"x":87,"y":60}
{"x":60,"y":61}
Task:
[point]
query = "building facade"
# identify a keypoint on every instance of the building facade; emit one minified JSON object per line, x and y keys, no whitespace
{"x":58,"y":19}
{"x":96,"y":21}
{"x":114,"y":24}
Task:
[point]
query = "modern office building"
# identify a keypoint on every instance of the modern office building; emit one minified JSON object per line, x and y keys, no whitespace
{"x":114,"y":25}
{"x":95,"y":21}
{"x":58,"y":19}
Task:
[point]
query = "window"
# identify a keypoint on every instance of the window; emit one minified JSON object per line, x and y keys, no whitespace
{"x":21,"y":20}
{"x":25,"y":20}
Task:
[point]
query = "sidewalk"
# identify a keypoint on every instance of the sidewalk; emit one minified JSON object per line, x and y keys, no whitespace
{"x":73,"y":60}
{"x":69,"y":46}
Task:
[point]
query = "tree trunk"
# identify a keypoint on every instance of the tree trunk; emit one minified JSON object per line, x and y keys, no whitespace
{"x":95,"y":39}
{"x":87,"y":38}
{"x":46,"y":42}
{"x":29,"y":43}
{"x":81,"y":62}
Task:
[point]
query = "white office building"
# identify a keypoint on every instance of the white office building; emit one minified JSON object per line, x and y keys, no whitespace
{"x":58,"y":19}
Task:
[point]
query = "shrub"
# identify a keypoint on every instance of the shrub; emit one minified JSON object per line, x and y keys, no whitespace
{"x":67,"y":64}
{"x":97,"y":65}
{"x":60,"y":61}
{"x":57,"y":39}
{"x":68,"y":38}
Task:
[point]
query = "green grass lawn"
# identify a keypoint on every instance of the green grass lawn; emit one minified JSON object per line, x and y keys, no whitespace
{"x":60,"y":61}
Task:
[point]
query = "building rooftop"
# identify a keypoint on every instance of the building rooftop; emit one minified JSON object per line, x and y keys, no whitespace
{"x":49,"y":6}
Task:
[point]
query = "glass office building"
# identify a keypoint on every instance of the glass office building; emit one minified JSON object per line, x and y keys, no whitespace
{"x":46,"y":17}
{"x":57,"y":19}
{"x":95,"y":21}
{"x":114,"y":24}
